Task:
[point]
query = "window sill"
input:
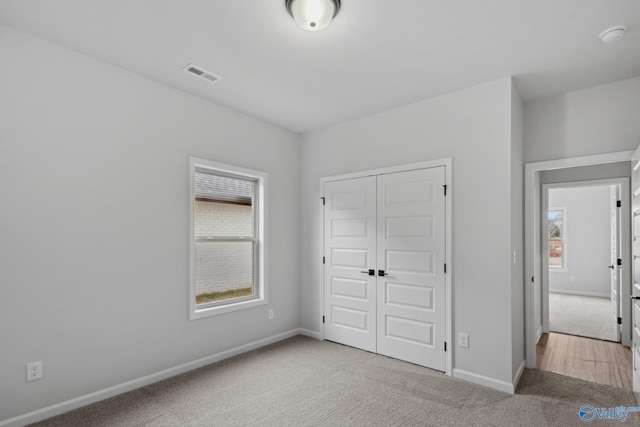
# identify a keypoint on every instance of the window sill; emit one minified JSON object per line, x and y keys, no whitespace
{"x":200,"y":313}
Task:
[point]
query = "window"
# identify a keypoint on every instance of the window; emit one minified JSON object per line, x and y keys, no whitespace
{"x":556,"y":237}
{"x":228,"y":208}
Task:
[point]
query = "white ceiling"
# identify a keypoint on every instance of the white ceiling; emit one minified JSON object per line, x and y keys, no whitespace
{"x":376,"y":55}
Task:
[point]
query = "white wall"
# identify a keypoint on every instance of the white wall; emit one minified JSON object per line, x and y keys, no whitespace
{"x":586,"y":173}
{"x":588,"y":245}
{"x":597,"y":120}
{"x":473,"y":127}
{"x":94,"y":223}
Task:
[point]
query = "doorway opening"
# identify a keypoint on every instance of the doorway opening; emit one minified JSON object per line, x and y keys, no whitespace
{"x":581,"y":276}
{"x":612,"y":170}
{"x":583,"y":321}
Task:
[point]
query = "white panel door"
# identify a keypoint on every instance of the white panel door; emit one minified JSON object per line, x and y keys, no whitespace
{"x":410,"y":266}
{"x":615,"y":255}
{"x":635,"y":255}
{"x":350,"y":241}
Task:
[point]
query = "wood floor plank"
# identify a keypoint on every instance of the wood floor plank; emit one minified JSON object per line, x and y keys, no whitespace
{"x":602,"y":362}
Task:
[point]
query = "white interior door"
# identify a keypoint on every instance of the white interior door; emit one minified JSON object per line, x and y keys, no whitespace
{"x":635,"y":289}
{"x":350,"y":250}
{"x":384,"y":279}
{"x":615,"y":255}
{"x":411,"y":258}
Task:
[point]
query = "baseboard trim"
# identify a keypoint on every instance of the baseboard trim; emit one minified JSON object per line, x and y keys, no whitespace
{"x":78,"y":402}
{"x":518,"y":375}
{"x":581,"y":293}
{"x":309,"y":333}
{"x":484,"y":381}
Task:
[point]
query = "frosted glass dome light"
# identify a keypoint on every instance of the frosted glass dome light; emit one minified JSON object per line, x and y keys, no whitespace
{"x":313,"y":15}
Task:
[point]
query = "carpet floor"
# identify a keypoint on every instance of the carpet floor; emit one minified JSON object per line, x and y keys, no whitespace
{"x":580,"y":315}
{"x":305,"y":382}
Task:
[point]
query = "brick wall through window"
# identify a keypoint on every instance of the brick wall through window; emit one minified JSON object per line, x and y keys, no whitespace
{"x":222,"y":266}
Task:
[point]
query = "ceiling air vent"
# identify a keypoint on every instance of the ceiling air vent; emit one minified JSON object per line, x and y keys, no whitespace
{"x":203,"y":74}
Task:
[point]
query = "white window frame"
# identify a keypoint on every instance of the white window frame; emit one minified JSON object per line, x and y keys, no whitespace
{"x":562,"y":269}
{"x":260,"y":261}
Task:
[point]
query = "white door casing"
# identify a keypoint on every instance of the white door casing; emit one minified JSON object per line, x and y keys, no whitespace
{"x":410,"y":285}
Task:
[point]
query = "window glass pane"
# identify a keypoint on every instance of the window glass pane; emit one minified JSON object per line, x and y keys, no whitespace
{"x":221,"y":219}
{"x":223,"y":206}
{"x":224,"y":270}
{"x":556,"y":238}
{"x":224,"y":226}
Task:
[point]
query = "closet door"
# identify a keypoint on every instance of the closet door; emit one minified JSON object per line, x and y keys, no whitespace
{"x":350,"y":242}
{"x":411,"y":282}
{"x":635,"y":256}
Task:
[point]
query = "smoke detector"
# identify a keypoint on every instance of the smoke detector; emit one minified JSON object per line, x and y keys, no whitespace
{"x":612,"y":34}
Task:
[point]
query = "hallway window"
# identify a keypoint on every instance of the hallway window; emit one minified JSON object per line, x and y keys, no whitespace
{"x":227,"y":238}
{"x":556,"y":237}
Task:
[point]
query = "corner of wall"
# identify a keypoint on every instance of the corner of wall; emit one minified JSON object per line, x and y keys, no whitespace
{"x":517,"y":232}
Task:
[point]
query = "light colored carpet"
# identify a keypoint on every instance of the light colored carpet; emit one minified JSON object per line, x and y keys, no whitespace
{"x":305,"y":382}
{"x":582,"y":315}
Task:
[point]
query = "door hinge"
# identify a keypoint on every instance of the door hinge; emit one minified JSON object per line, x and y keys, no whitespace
{"x":619,"y":320}
{"x":324,"y":260}
{"x":445,"y":346}
{"x":445,"y":269}
{"x":322,"y":319}
{"x":619,"y":262}
{"x":619,"y":203}
{"x":445,"y":189}
{"x":323,"y":200}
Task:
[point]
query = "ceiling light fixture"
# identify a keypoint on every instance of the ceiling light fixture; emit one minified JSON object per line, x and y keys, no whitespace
{"x":313,"y":15}
{"x":612,"y":34}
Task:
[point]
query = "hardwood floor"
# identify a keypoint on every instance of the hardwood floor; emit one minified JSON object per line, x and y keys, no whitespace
{"x":598,"y":361}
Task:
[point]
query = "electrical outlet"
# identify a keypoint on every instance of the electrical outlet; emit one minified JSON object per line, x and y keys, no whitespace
{"x":271,"y":314}
{"x":463,"y":340}
{"x":34,"y":371}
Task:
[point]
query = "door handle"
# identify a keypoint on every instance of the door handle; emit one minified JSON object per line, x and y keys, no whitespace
{"x":635,"y":296}
{"x":369,"y":272}
{"x":381,"y":273}
{"x":611,"y":266}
